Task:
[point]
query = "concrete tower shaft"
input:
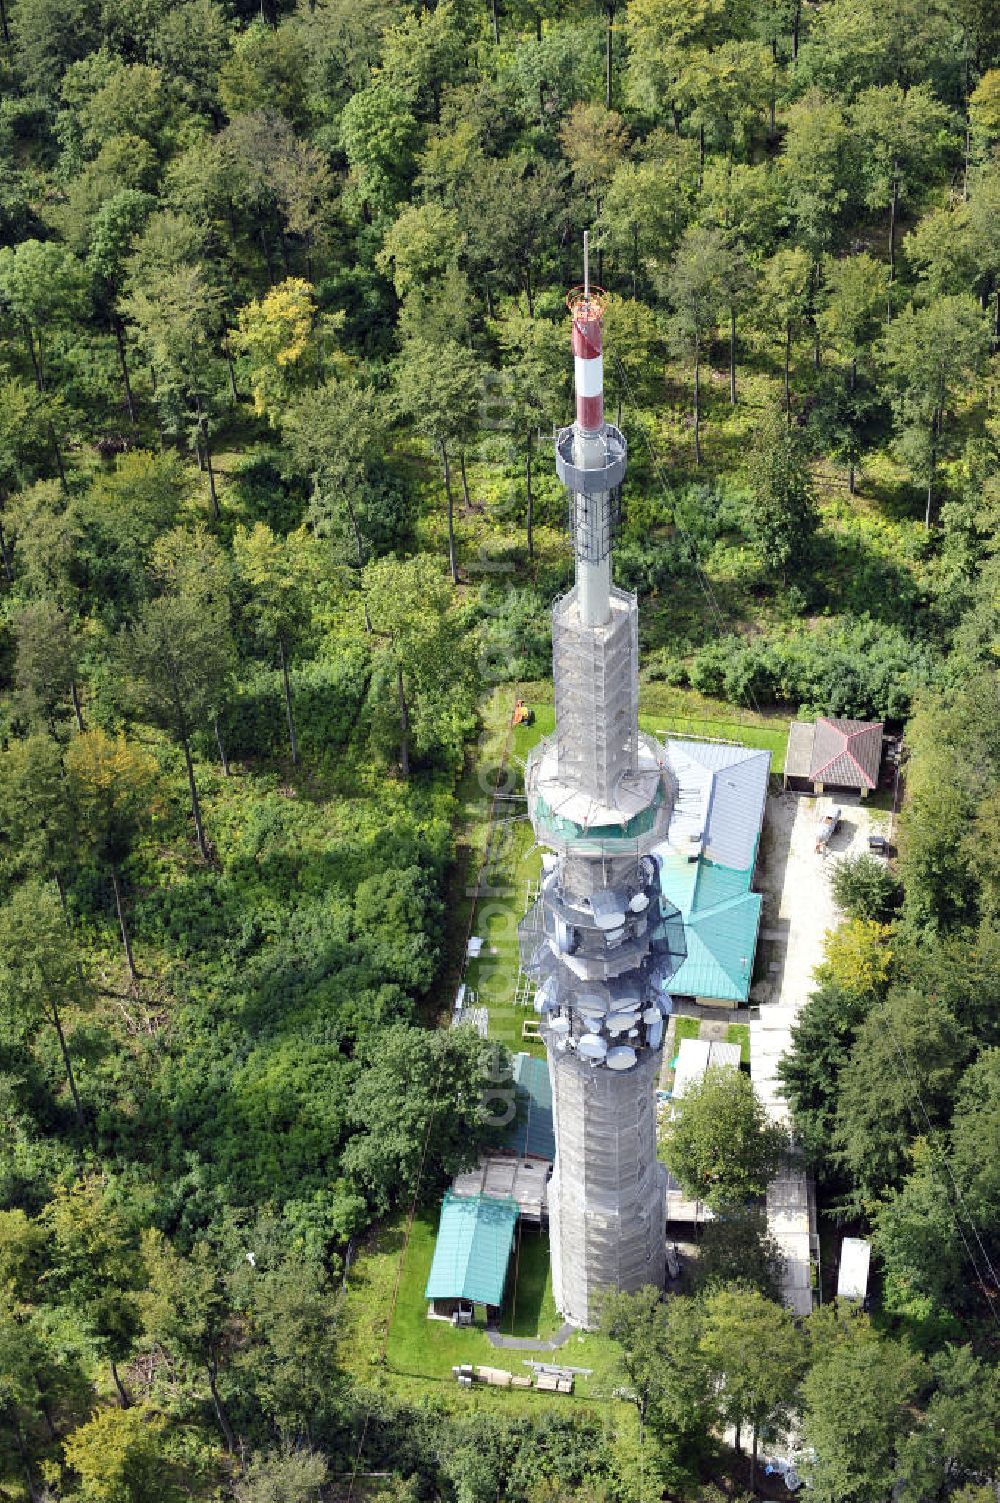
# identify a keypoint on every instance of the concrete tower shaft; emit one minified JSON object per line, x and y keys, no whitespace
{"x":601,"y":942}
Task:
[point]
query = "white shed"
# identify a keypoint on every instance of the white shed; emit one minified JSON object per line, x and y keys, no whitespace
{"x":852,"y":1280}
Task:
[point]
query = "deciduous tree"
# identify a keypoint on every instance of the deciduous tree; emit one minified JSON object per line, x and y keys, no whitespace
{"x":756,"y":1354}
{"x":695,"y":289}
{"x":178,"y":652}
{"x":720,"y":1144}
{"x":857,"y":1395}
{"x":39,"y":979}
{"x":275,"y":574}
{"x":438,"y":386}
{"x":930,"y":351}
{"x":779,"y":509}
{"x":113,"y":786}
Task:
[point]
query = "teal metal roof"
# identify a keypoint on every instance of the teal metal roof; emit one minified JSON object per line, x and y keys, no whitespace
{"x":721,"y":941}
{"x":472,"y":1249}
{"x":717,"y":884}
{"x":721,"y":918}
{"x":678,"y":879}
{"x":531,"y":1131}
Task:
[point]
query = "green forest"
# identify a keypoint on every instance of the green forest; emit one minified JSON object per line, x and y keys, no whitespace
{"x":283,"y":345}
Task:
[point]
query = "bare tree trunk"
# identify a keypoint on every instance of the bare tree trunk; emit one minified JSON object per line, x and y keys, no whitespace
{"x":203,"y":439}
{"x":788,"y":363}
{"x":531,"y":501}
{"x":221,"y":745}
{"x":852,"y":386}
{"x":22,"y":1451}
{"x":46,"y":1408}
{"x":609,"y":12}
{"x":71,"y":1078}
{"x":465,"y":483}
{"x":195,"y":801}
{"x":116,"y":883}
{"x":732,"y":356}
{"x":697,"y":402}
{"x":5,"y":557}
{"x":123,"y":362}
{"x":931,"y":473}
{"x":288,"y":702}
{"x":404,"y":724}
{"x":4,"y":28}
{"x":267,"y":257}
{"x":527,"y":288}
{"x":356,"y":529}
{"x":74,"y":695}
{"x":753,"y":1462}
{"x":123,"y":1394}
{"x":39,"y":383}
{"x":213,"y":494}
{"x":452,"y":565}
{"x":893,"y":208}
{"x":495,"y":22}
{"x":227,"y":352}
{"x":229,"y":1439}
{"x":57,"y":455}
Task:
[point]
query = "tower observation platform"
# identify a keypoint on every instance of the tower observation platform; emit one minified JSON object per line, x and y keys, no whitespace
{"x":601,"y":942}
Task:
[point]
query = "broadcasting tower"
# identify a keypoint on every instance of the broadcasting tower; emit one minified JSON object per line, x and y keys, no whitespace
{"x":601,"y":943}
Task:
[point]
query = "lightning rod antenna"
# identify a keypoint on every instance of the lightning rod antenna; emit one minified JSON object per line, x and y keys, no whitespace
{"x":586,"y":265}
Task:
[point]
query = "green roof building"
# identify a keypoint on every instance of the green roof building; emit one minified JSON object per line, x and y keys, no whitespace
{"x":531,"y":1131}
{"x":473,"y":1248}
{"x":721,"y":920}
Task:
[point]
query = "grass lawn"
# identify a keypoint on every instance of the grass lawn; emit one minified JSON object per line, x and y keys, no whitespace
{"x":685,"y":1028}
{"x":420,"y":1353}
{"x":675,"y":713}
{"x":739,"y":1033}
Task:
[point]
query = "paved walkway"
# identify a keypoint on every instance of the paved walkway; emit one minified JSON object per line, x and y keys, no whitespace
{"x":798,"y":911}
{"x":530,"y":1343}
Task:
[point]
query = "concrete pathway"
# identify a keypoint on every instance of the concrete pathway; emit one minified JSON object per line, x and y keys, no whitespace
{"x":798,"y":911}
{"x":530,"y":1343}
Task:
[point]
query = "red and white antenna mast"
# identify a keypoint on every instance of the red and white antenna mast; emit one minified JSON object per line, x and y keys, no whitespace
{"x":591,"y":456}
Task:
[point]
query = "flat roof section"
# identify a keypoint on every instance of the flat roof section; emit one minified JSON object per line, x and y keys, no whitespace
{"x":798,"y":756}
{"x":502,"y":1176}
{"x":855,"y":1260}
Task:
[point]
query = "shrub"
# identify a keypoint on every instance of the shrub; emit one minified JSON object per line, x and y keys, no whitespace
{"x":862,"y":669}
{"x":864,"y":888}
{"x":516,"y":635}
{"x":327,"y":698}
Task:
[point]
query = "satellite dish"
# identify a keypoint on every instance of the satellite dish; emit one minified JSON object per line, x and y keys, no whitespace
{"x":651,"y":1015}
{"x":621,"y":1022}
{"x":591,"y":1003}
{"x":592,"y":1047}
{"x":560,"y":1025}
{"x":622,"y":1058}
{"x":654,"y":1036}
{"x":639,"y":903}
